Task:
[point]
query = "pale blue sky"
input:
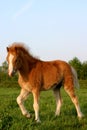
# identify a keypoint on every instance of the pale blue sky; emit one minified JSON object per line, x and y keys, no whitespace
{"x":53,"y":29}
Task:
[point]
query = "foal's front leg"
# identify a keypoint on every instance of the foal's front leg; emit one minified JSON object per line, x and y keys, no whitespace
{"x":36,"y":105}
{"x":20,"y":100}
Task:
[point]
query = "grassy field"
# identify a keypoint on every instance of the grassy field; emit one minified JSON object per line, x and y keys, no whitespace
{"x":12,"y":119}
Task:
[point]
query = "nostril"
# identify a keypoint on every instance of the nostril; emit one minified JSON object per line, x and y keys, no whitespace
{"x":14,"y":71}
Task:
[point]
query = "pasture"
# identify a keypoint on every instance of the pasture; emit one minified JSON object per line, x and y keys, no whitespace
{"x":12,"y":119}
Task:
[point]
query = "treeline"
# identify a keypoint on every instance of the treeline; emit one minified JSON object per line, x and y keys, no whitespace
{"x":80,"y":67}
{"x":5,"y":80}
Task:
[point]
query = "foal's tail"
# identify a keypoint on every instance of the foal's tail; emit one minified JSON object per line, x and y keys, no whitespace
{"x":76,"y":82}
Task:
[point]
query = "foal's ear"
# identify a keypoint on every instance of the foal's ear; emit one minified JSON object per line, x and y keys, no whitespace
{"x":7,"y":49}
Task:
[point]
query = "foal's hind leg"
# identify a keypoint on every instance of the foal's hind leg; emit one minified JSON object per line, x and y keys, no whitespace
{"x":20,"y":100}
{"x":70,"y":90}
{"x":58,"y":101}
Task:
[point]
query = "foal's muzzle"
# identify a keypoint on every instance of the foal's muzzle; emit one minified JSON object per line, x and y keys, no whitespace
{"x":12,"y":73}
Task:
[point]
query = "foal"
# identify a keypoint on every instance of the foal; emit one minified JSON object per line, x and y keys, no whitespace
{"x":36,"y":75}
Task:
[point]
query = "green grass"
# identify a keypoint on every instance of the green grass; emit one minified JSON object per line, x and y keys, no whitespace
{"x":12,"y":119}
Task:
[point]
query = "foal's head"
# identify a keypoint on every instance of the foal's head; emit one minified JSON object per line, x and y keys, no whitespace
{"x":19,"y":58}
{"x":14,"y":59}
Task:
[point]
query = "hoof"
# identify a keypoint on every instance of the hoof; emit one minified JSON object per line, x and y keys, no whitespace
{"x":38,"y":121}
{"x":57,"y":114}
{"x":27,"y":115}
{"x":81,"y":116}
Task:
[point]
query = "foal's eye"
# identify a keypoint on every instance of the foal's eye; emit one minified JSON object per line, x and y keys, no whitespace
{"x":16,"y":60}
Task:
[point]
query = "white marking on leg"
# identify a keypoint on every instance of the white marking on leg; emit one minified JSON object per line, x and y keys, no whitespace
{"x":20,"y":100}
{"x":10,"y":68}
{"x":58,"y":108}
{"x":79,"y":113}
{"x":58,"y":101}
{"x":36,"y":107}
{"x":75,"y":102}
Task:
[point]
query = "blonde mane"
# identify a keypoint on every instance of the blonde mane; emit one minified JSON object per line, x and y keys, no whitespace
{"x":24,"y":49}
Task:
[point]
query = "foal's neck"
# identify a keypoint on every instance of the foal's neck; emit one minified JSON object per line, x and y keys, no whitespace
{"x":26,"y":68}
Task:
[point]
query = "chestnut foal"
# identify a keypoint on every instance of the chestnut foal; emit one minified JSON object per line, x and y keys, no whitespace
{"x":36,"y":75}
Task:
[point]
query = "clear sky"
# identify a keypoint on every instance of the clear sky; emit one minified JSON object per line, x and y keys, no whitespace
{"x":53,"y":29}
